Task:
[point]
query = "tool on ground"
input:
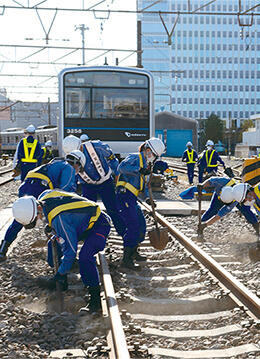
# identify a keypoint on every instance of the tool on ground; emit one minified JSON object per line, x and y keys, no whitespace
{"x":159,"y":236}
{"x":52,"y":237}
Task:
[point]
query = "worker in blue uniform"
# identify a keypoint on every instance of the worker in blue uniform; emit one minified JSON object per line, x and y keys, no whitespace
{"x":208,"y":161}
{"x":97,"y":177}
{"x":47,"y":154}
{"x":72,"y":218}
{"x":134,"y":172}
{"x":160,"y":167}
{"x":29,"y":153}
{"x":56,"y":174}
{"x":190,"y":156}
{"x":248,"y":195}
{"x":223,"y":202}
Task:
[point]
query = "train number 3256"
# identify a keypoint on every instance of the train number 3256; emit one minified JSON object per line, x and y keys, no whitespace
{"x":74,"y":130}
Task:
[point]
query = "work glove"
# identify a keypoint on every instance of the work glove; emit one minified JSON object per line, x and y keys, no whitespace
{"x":148,"y":201}
{"x":145,"y":171}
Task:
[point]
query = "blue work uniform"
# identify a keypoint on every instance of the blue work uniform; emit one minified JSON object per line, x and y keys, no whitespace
{"x":160,"y":166}
{"x":129,"y":185}
{"x":75,"y":218}
{"x":56,"y":174}
{"x":29,"y":155}
{"x":209,"y":161}
{"x":97,"y":179}
{"x":190,"y":156}
{"x":221,"y":208}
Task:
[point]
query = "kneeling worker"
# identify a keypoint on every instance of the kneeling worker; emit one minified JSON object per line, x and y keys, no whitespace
{"x":72,"y":218}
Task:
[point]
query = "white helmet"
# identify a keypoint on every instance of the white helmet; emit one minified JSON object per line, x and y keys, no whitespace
{"x":156,"y":146}
{"x":30,"y":129}
{"x":48,"y":143}
{"x":226,"y":194}
{"x":25,"y":210}
{"x":76,"y":157}
{"x":84,"y":137}
{"x":71,"y":143}
{"x":210,"y":143}
{"x":239,"y":191}
{"x":189,"y":144}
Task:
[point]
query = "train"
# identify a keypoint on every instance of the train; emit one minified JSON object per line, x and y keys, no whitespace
{"x":108,"y":103}
{"x":12,"y":136}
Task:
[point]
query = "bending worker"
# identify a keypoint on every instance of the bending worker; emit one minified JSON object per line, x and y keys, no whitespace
{"x":29,"y":153}
{"x":223,"y":202}
{"x":56,"y":174}
{"x":72,"y":218}
{"x":134,"y":171}
{"x":47,"y":154}
{"x":97,"y":177}
{"x":190,"y":156}
{"x":249,"y":196}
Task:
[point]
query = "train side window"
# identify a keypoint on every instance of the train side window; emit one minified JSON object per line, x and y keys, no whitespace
{"x":8,"y":139}
{"x":16,"y":139}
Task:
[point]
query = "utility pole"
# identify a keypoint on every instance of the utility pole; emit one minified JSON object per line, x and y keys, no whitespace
{"x":49,"y":112}
{"x":82,"y":28}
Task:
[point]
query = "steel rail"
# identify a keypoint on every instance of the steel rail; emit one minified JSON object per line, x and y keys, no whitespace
{"x":118,"y":334}
{"x":244,"y":295}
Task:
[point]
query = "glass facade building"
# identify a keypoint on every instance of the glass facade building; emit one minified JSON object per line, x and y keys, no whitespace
{"x":213,"y":62}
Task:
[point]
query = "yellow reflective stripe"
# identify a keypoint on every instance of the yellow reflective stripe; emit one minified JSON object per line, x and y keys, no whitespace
{"x":231,"y":182}
{"x":141,"y":165}
{"x":32,"y":174}
{"x":190,"y":156}
{"x":60,"y":194}
{"x":257,"y":192}
{"x":44,"y":152}
{"x":128,"y":186}
{"x":208,"y":160}
{"x":75,"y":205}
{"x":29,"y":157}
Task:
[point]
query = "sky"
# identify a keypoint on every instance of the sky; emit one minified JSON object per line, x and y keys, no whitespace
{"x":22,"y":28}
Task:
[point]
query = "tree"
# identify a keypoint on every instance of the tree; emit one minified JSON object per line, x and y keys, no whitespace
{"x":214,"y":128}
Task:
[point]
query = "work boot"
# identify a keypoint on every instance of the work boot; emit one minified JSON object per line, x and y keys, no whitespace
{"x":3,"y":250}
{"x":50,"y":283}
{"x":94,"y":302}
{"x":127,"y":261}
{"x":137,"y":256}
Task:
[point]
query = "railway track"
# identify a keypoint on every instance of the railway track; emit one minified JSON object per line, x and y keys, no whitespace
{"x":186,"y":302}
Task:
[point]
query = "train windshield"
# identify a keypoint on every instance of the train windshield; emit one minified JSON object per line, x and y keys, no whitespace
{"x":113,"y":95}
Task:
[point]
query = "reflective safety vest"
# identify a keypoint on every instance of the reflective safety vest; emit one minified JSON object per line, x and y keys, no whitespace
{"x":56,"y":202}
{"x":41,"y":173}
{"x":190,"y":156}
{"x":28,"y":157}
{"x":209,"y":159}
{"x":129,"y":186}
{"x":46,"y":153}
